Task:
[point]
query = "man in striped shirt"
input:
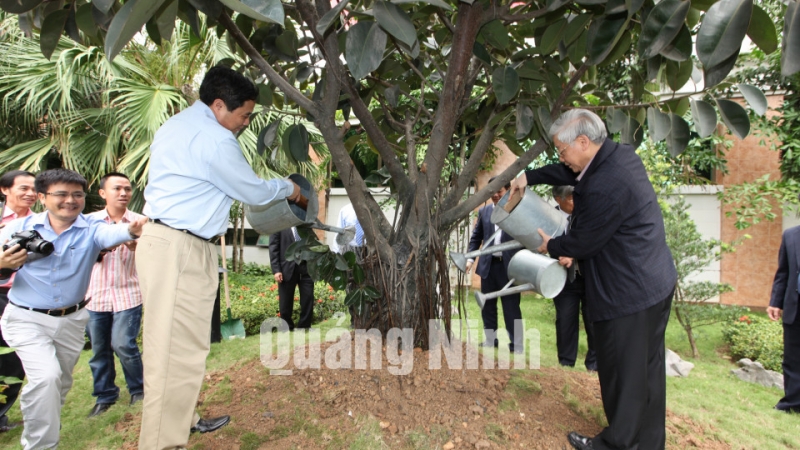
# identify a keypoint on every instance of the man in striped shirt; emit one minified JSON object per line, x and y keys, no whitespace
{"x":115,"y":307}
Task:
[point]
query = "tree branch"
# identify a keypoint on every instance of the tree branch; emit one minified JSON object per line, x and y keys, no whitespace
{"x":473,"y":164}
{"x":567,"y":89}
{"x":274,"y":77}
{"x":453,"y":215}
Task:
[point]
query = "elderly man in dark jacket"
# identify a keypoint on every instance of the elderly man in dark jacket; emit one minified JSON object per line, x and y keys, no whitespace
{"x":618,"y":242}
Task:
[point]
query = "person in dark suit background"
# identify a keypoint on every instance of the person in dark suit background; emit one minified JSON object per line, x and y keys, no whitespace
{"x":570,"y":303}
{"x":493,"y":270}
{"x":289,"y":275}
{"x":618,"y":242}
{"x":783,"y":302}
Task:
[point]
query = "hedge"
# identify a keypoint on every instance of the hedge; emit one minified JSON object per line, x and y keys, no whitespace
{"x":756,"y":338}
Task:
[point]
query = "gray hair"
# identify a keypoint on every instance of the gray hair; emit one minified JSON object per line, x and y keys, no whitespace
{"x":562,"y":192}
{"x":576,"y":122}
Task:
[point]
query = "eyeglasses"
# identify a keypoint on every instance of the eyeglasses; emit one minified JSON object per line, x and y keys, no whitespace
{"x":561,"y":150}
{"x":63,"y":195}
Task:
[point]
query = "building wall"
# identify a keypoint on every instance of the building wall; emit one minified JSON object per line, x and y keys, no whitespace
{"x":751,"y":268}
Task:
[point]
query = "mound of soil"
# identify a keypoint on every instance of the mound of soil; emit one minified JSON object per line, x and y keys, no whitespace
{"x":445,"y":408}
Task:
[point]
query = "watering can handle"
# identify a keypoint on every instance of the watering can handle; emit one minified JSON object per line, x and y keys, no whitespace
{"x":225,"y":275}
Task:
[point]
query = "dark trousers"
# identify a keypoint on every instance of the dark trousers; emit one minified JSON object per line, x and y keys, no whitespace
{"x":10,"y":365}
{"x":571,"y":303}
{"x":791,"y":368}
{"x":286,"y":290}
{"x":496,"y":280}
{"x":630,"y":365}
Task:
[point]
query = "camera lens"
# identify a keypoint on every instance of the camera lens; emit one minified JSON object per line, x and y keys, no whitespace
{"x":43,"y":247}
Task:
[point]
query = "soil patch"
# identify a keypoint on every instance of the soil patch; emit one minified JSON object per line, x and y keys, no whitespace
{"x":444,"y":408}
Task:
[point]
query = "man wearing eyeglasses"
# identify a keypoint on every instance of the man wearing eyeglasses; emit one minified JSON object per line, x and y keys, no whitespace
{"x":617,"y":237}
{"x":45,"y":318}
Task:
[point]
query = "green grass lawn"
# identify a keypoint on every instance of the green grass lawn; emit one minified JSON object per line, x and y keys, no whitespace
{"x":737,"y":412}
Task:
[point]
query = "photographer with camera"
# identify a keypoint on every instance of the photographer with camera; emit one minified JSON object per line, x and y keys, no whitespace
{"x":19,"y":195}
{"x":45,"y":318}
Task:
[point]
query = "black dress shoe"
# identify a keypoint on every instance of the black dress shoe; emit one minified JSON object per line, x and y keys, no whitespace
{"x":580,"y":442}
{"x":100,"y":408}
{"x":136,"y":398}
{"x":5,"y":425}
{"x":209,"y":425}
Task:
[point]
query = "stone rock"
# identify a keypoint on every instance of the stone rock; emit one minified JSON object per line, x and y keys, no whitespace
{"x":448,"y":446}
{"x":483,"y":444}
{"x":754,"y":372}
{"x":676,"y":367}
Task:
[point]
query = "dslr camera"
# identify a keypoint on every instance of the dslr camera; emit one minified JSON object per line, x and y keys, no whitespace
{"x":31,"y":241}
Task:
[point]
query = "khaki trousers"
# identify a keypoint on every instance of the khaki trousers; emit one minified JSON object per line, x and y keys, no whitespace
{"x":178,"y":275}
{"x":49,"y":348}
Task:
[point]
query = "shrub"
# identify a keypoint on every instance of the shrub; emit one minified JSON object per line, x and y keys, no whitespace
{"x":756,"y":338}
{"x":254,"y":298}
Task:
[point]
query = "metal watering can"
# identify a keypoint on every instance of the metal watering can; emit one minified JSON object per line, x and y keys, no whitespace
{"x":527,"y":269}
{"x":279,"y":216}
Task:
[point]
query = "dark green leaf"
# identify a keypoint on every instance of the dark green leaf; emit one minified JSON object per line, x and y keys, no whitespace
{"x":52,"y":27}
{"x":295,"y":142}
{"x":621,"y":48}
{"x":762,"y":31}
{"x":722,"y":30}
{"x":616,"y":120}
{"x":679,"y":49}
{"x":705,"y":118}
{"x":339,"y":280}
{"x":341,"y":263}
{"x":188,"y":14}
{"x":632,"y":133}
{"x":366,"y":42}
{"x":659,"y":124}
{"x":85,"y":21}
{"x":703,"y":5}
{"x":734,"y":116}
{"x":553,"y":5}
{"x":524,"y":121}
{"x":211,"y":8}
{"x":439,"y":3}
{"x":653,"y":67}
{"x":286,"y":44}
{"x":633,"y":6}
{"x":395,"y":21}
{"x":755,"y":98}
{"x":269,"y":134}
{"x":353,"y":298}
{"x":327,"y":20}
{"x":544,"y":121}
{"x":679,"y":106}
{"x":319,"y":248}
{"x":604,"y":33}
{"x":104,"y":6}
{"x":351,"y":142}
{"x":496,"y":34}
{"x":551,"y":37}
{"x":351,"y":259}
{"x":678,"y":73}
{"x":263,"y":10}
{"x":480,"y":52}
{"x":615,"y":7}
{"x":712,"y":76}
{"x":371,"y":292}
{"x":591,"y":2}
{"x":165,"y":19}
{"x":679,"y":135}
{"x":19,"y":6}
{"x":577,"y":51}
{"x":127,"y":22}
{"x":506,"y":84}
{"x":71,"y":27}
{"x":358,"y":275}
{"x":392,"y":95}
{"x":575,"y":27}
{"x":264,"y":95}
{"x":790,"y":45}
{"x":663,"y":24}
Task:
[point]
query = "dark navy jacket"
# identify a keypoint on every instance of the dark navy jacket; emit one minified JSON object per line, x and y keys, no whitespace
{"x":617,"y":233}
{"x":784,"y":288}
{"x":484,"y":229}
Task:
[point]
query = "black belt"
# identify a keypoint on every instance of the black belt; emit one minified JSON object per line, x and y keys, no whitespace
{"x":211,"y":239}
{"x":56,"y":312}
{"x":497,"y":258}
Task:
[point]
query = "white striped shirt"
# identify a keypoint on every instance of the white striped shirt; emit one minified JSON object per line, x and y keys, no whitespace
{"x":115,"y":284}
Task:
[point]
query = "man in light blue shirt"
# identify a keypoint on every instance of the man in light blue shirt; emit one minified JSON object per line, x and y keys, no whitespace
{"x":45,"y":318}
{"x":196,"y":171}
